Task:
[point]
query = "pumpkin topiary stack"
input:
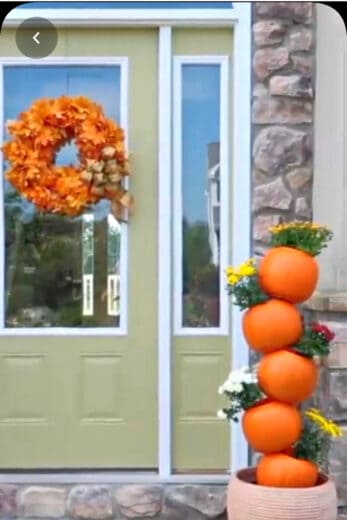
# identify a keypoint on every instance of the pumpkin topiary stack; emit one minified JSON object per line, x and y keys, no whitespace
{"x":287,"y":373}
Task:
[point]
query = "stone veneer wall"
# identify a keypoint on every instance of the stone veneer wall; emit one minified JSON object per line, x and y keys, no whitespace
{"x":117,"y":502}
{"x":282,"y":114}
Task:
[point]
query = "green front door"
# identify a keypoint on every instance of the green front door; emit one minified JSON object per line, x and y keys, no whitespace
{"x":79,"y":338}
{"x":78,"y":351}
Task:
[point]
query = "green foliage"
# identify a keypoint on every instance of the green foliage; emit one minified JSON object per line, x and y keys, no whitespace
{"x":241,"y":401}
{"x":44,"y":266}
{"x":311,"y":347}
{"x":315,"y":341}
{"x":196,"y":251}
{"x":206,"y":280}
{"x":247,"y":292}
{"x":201,"y":284}
{"x":307,"y":237}
{"x":313,"y":444}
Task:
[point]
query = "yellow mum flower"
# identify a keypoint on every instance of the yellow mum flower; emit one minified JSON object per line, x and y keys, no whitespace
{"x":233,"y":276}
{"x":233,"y":279}
{"x":297,"y":225}
{"x":325,"y":424}
{"x":274,"y":229}
{"x":247,"y":270}
{"x":244,"y":270}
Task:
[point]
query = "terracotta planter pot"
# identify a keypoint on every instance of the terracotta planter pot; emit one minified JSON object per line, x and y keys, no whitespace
{"x":248,"y":501}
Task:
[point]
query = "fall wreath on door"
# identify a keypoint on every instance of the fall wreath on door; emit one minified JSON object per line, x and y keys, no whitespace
{"x":39,"y":134}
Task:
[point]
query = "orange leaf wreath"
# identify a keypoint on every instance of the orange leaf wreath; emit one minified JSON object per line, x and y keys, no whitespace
{"x":39,"y":134}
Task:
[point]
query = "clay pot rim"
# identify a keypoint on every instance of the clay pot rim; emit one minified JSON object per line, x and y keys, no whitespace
{"x":247,"y":477}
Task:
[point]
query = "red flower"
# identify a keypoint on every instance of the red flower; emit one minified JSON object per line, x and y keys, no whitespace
{"x":319,"y":328}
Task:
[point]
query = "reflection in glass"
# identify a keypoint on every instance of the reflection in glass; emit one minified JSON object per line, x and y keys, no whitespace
{"x":201,"y":195}
{"x":88,"y":264}
{"x":57,"y":268}
{"x":113,"y":267}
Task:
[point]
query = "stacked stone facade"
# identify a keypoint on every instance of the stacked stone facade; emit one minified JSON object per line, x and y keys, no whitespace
{"x":113,"y":502}
{"x":282,"y":115}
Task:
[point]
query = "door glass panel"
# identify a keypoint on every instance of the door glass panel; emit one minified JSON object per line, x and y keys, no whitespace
{"x":59,"y":270}
{"x":200,"y":195}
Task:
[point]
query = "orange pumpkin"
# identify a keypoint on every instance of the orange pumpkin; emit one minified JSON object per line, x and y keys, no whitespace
{"x":272,"y":325}
{"x":289,"y":274}
{"x":280,"y":470}
{"x":271,"y":426}
{"x":287,"y":376}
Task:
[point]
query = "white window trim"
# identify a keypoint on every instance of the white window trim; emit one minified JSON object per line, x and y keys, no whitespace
{"x":241,"y":201}
{"x":164,"y":253}
{"x":224,"y":304}
{"x":122,"y":330}
{"x":117,"y":17}
{"x":238,"y":18}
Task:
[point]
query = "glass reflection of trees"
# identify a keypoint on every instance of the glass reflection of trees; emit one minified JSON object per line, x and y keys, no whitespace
{"x":200,"y":278}
{"x":45,"y":262}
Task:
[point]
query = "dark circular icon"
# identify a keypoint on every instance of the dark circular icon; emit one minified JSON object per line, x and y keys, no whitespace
{"x":36,"y":37}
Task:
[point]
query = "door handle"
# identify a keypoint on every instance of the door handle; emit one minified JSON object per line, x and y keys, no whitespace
{"x":88,"y":295}
{"x":113,"y":295}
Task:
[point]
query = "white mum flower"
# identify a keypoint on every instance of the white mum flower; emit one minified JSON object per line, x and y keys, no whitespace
{"x":236,"y":376}
{"x":232,"y":386}
{"x":250,"y":378}
{"x":221,"y":414}
{"x":221,"y":390}
{"x":235,"y":380}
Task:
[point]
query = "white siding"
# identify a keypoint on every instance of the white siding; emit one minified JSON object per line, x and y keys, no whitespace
{"x":330,"y":156}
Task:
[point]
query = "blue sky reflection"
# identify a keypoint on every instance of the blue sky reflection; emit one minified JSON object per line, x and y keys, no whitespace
{"x":200,"y":126}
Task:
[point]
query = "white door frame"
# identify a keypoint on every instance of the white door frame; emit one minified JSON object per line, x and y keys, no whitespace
{"x":238,"y":17}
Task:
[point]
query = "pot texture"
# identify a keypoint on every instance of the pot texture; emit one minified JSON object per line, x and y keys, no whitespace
{"x":248,"y":501}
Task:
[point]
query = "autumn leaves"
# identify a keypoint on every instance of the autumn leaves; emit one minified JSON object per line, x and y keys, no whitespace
{"x":37,"y":137}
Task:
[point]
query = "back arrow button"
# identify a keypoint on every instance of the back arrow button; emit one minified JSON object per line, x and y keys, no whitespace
{"x":36,"y":37}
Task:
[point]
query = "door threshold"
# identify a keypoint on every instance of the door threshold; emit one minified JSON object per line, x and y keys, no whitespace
{"x":107,"y":477}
